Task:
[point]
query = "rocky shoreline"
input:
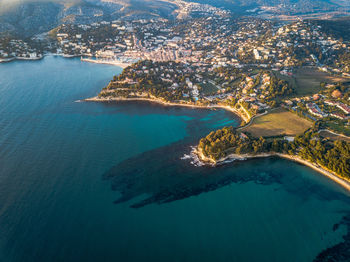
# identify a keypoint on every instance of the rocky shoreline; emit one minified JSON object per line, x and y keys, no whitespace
{"x":161,"y":102}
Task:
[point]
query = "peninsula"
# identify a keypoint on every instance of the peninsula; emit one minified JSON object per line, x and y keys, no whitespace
{"x":327,"y":157}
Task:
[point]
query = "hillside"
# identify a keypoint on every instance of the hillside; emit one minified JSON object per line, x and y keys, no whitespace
{"x":29,"y":17}
{"x":143,"y":8}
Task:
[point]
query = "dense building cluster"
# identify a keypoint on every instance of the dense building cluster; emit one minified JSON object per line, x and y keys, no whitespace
{"x":216,"y":40}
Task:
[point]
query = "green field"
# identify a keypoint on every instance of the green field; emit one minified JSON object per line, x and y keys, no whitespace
{"x":338,"y":128}
{"x":277,"y":122}
{"x":307,"y":80}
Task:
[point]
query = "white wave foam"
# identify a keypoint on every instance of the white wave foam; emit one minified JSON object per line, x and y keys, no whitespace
{"x":193,"y":157}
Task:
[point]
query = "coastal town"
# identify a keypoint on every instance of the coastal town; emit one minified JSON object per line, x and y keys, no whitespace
{"x":216,"y":40}
{"x":249,"y":66}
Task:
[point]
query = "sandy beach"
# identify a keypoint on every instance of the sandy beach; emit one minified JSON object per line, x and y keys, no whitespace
{"x":106,"y":62}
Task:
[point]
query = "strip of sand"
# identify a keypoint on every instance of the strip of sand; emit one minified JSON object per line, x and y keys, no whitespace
{"x":107,"y":62}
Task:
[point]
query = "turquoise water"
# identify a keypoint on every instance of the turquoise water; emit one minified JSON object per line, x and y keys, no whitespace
{"x":106,"y":182}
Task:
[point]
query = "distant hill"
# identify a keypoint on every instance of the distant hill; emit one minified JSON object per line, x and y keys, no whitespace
{"x":29,"y":17}
{"x":142,"y":8}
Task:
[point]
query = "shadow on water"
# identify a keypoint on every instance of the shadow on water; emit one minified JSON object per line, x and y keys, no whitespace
{"x":341,"y":251}
{"x":164,"y":177}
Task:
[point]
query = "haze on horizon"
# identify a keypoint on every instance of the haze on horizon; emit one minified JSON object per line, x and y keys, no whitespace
{"x":6,"y":5}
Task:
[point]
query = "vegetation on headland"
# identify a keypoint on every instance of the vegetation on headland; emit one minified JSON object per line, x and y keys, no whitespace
{"x":144,"y":79}
{"x":247,"y":91}
{"x":330,"y":155}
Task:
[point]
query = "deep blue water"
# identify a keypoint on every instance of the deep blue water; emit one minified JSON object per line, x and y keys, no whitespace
{"x":105,"y":182}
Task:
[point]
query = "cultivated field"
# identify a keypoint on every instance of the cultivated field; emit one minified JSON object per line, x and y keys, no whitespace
{"x":307,"y":80}
{"x":278,"y":122}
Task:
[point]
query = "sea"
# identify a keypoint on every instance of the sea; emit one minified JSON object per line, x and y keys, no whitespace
{"x":89,"y":181}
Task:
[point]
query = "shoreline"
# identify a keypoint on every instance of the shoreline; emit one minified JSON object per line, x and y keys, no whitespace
{"x":345,"y":184}
{"x":13,"y":59}
{"x":161,"y":102}
{"x":328,"y":173}
{"x":113,"y":63}
{"x":105,"y":62}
